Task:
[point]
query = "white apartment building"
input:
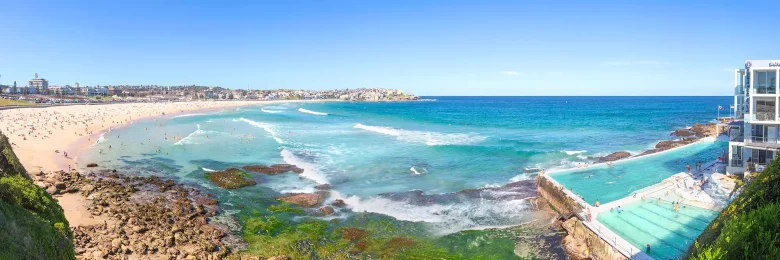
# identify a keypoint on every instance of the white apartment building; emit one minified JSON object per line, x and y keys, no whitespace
{"x":754,"y":136}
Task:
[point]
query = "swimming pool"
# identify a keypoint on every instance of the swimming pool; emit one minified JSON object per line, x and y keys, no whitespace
{"x":606,"y":184}
{"x":669,"y":233}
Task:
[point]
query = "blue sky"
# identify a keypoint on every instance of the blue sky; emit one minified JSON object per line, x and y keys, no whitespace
{"x":423,"y":47}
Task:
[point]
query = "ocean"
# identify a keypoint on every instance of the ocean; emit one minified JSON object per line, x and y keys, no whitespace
{"x":412,"y":163}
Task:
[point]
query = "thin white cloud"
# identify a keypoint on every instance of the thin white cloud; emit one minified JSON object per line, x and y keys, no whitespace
{"x":631,"y":63}
{"x":510,"y":73}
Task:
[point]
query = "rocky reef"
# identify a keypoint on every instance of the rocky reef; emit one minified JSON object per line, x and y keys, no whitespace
{"x":273,"y":169}
{"x":231,"y":178}
{"x":144,"y":217}
{"x":614,"y":157}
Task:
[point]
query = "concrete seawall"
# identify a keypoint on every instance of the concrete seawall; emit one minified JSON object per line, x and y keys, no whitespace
{"x":584,"y":239}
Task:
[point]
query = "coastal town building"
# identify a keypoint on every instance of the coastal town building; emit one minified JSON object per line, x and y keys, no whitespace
{"x":41,"y":85}
{"x":754,"y":134}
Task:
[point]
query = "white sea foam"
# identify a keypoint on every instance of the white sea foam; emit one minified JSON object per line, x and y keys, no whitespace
{"x":520,"y":177}
{"x":420,"y":172}
{"x":444,"y":218}
{"x":423,"y":137}
{"x":574,"y":152}
{"x":302,"y":110}
{"x":207,"y":169}
{"x":190,"y":138}
{"x":270,"y":111}
{"x":189,"y":115}
{"x":101,"y":139}
{"x":310,"y":171}
{"x":267,"y":127}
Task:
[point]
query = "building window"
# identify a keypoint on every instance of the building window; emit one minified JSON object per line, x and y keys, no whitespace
{"x":736,"y":156}
{"x":765,"y":82}
{"x":765,"y":110}
{"x":762,"y":157}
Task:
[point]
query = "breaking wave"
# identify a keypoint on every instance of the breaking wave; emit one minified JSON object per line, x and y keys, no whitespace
{"x":265,"y":127}
{"x":189,"y":115}
{"x":575,"y":152}
{"x":444,"y":217}
{"x":190,"y":139}
{"x":207,"y":169}
{"x":422,"y":137}
{"x":270,"y":111}
{"x":302,"y":110}
{"x":310,"y":171}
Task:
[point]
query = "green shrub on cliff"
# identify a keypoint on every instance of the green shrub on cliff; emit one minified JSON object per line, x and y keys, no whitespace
{"x":32,"y":224}
{"x":748,"y":228}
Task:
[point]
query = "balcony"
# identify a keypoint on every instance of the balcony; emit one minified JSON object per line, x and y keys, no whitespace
{"x":764,"y":116}
{"x":763,"y":142}
{"x":764,"y":90}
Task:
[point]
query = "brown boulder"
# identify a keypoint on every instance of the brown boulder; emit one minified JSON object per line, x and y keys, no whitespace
{"x":303,"y":199}
{"x":324,"y":211}
{"x":338,"y":203}
{"x":322,"y":187}
{"x":682,"y":133}
{"x":92,"y":165}
{"x":666,"y":145}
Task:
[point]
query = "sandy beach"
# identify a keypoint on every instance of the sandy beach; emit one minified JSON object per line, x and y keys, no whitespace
{"x":51,"y":138}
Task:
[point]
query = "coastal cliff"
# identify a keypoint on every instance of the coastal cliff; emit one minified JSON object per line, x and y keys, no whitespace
{"x":32,"y":223}
{"x":747,"y":228}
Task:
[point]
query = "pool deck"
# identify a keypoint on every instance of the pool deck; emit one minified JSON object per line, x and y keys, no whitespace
{"x":708,"y":189}
{"x":682,"y":187}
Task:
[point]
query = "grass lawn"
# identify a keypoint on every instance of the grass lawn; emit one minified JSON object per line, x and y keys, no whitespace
{"x":8,"y":102}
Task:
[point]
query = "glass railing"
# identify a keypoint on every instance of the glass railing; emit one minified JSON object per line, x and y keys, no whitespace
{"x":764,"y":141}
{"x":764,"y":90}
{"x":764,"y":116}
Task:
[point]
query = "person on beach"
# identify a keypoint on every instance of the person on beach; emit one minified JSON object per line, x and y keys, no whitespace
{"x":597,"y":203}
{"x":689,"y":167}
{"x":648,"y":248}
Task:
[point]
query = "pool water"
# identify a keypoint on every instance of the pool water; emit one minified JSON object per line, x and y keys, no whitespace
{"x":669,"y":233}
{"x":610,"y":183}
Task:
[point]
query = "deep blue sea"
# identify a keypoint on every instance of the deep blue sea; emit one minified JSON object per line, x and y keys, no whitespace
{"x":405,"y":160}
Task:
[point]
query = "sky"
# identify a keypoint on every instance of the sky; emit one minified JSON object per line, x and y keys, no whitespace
{"x":477,"y":48}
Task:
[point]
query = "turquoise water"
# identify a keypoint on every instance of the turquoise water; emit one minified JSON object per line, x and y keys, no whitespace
{"x":669,"y":233}
{"x":606,"y":184}
{"x":405,"y":160}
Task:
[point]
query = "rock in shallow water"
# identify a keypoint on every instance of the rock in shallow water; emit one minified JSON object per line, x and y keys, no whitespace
{"x":231,"y":178}
{"x":303,"y":199}
{"x":614,"y":157}
{"x":273,"y":169}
